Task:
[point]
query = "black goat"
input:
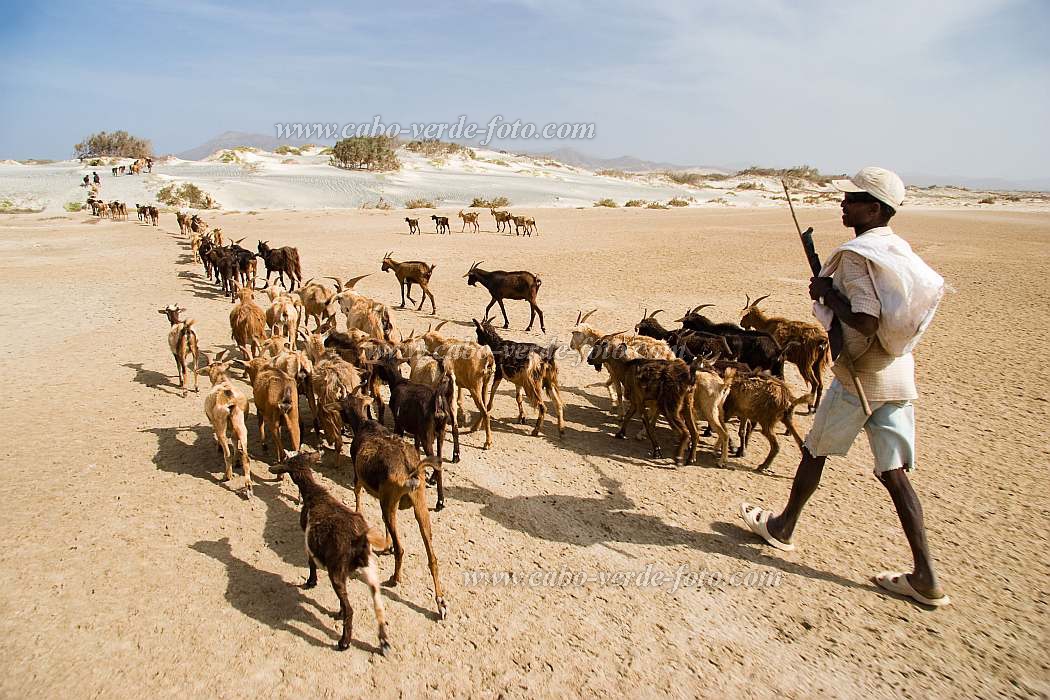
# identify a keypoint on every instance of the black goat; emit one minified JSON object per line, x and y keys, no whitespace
{"x":441,"y":222}
{"x":424,"y":412}
{"x":338,"y":539}
{"x":530,"y":367}
{"x":508,"y":285}
{"x":282,"y":261}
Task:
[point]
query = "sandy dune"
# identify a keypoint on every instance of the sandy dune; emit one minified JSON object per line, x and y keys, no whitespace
{"x":129,"y":570}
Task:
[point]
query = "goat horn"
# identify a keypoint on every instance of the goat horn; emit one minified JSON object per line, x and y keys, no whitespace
{"x":438,"y":326}
{"x":702,"y":306}
{"x":653,"y":314}
{"x":240,"y":239}
{"x":747,"y":302}
{"x":579,"y":315}
{"x":338,"y":283}
{"x":755,"y":302}
{"x":222,"y":353}
{"x":354,"y":280}
{"x":412,"y":334}
{"x":587,"y":315}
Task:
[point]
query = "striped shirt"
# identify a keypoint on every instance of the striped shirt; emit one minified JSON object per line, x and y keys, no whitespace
{"x":883,"y":376}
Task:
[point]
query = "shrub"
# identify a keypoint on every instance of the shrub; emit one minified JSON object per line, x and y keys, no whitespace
{"x":8,"y":207}
{"x":612,"y":173}
{"x":327,"y":151}
{"x":288,"y":151}
{"x":676,"y":202}
{"x":656,"y":205}
{"x":419,"y":203}
{"x":748,"y":186}
{"x":605,"y":203}
{"x":435,"y":147}
{"x":186,"y":194}
{"x":634,"y":203}
{"x":800,"y":172}
{"x":494,"y":203}
{"x":73,"y":206}
{"x":381,"y":204}
{"x":365,"y":152}
{"x":987,"y":200}
{"x":691,"y":179}
{"x":117,"y":143}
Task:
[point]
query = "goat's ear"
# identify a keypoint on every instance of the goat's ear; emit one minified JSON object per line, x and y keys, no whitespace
{"x":162,"y":311}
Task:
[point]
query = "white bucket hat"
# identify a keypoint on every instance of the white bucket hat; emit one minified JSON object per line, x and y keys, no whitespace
{"x":884,"y":185}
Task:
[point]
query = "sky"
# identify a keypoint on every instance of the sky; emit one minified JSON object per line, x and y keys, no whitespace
{"x":952,"y":87}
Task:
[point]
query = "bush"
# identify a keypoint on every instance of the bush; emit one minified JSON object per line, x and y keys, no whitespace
{"x":656,"y":205}
{"x":800,"y":172}
{"x":748,"y":186}
{"x":8,"y":207}
{"x":327,"y":151}
{"x":691,"y":179}
{"x":73,"y":206}
{"x":288,"y":151}
{"x":605,"y":203}
{"x":987,"y":200}
{"x":419,"y":203}
{"x":612,"y":173}
{"x":634,"y":203}
{"x":381,"y":204}
{"x":188,"y":195}
{"x":117,"y":143}
{"x":676,"y":202}
{"x":434,"y":147}
{"x":494,"y":203}
{"x":365,"y":153}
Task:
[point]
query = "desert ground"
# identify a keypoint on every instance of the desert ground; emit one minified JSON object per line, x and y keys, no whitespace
{"x":129,"y":569}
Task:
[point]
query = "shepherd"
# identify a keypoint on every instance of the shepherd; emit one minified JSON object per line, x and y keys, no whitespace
{"x":884,"y":297}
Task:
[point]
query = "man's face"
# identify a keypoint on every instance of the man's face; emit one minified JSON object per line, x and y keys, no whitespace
{"x":859,"y":209}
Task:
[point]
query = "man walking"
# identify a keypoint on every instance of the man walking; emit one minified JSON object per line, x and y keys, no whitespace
{"x":884,"y":296}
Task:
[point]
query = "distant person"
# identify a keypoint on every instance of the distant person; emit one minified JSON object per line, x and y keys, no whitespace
{"x":94,"y":177}
{"x":87,"y":180}
{"x":884,"y":297}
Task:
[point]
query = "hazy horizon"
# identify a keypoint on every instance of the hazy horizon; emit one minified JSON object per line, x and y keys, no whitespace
{"x":944,"y":88}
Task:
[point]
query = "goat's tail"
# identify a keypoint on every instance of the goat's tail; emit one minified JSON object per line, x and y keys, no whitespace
{"x":293,"y":259}
{"x":287,"y":395}
{"x":806,"y":398}
{"x":550,"y":367}
{"x":532,"y":382}
{"x":376,"y":538}
{"x":824,"y":356}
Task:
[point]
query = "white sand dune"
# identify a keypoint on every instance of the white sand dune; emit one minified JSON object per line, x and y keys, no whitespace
{"x":242,"y":180}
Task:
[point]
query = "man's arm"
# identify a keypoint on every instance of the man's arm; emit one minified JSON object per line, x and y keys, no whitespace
{"x":865,"y":324}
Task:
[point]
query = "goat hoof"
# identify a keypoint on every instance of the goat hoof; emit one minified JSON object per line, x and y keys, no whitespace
{"x":391,"y":582}
{"x":620,"y":436}
{"x":439,"y":507}
{"x":310,"y":583}
{"x":384,"y":646}
{"x":455,"y":459}
{"x":442,"y":608}
{"x":343,"y":645}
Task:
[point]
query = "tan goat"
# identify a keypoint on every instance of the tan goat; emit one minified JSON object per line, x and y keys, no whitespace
{"x":470,"y":217}
{"x":805,"y":344}
{"x":182,"y":341}
{"x":247,"y":323}
{"x":765,"y":401}
{"x":332,"y":379}
{"x":709,"y":396}
{"x":473,"y":367}
{"x":277,"y":403}
{"x":226,"y":407}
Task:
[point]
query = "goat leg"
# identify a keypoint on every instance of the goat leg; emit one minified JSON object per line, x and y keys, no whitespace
{"x":311,"y":580}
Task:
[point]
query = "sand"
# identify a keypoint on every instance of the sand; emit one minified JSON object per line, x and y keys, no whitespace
{"x":130,"y":570}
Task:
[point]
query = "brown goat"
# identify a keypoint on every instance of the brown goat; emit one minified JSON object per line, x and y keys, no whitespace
{"x":391,"y":471}
{"x":277,"y":403}
{"x":409,"y":273}
{"x":247,"y":323}
{"x":502,"y":219}
{"x":470,"y":217}
{"x":668,"y":384}
{"x":338,"y":539}
{"x":182,"y":341}
{"x":441,"y":223}
{"x":763,"y":401}
{"x":508,"y":285}
{"x":810,"y":352}
{"x":413,"y":226}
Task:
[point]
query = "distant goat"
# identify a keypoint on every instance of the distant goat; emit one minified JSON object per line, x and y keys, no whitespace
{"x":413,"y":226}
{"x":470,"y":217}
{"x":282,"y":261}
{"x":441,"y":222}
{"x":409,"y":273}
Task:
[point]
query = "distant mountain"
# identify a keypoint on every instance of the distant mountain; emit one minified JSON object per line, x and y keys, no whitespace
{"x":570,"y":156}
{"x":980,"y":183}
{"x":230,"y":139}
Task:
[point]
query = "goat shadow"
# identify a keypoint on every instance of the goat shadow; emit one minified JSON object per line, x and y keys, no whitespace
{"x":613,"y":519}
{"x":201,"y":287}
{"x":269,"y":599}
{"x":156,"y":380}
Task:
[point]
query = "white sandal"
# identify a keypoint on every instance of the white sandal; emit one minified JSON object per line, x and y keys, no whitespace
{"x":756,"y":520}
{"x":897,"y":582}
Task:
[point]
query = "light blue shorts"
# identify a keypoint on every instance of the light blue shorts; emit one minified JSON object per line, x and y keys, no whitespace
{"x":890,"y":429}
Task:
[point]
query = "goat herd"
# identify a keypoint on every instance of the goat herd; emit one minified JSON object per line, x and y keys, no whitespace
{"x":701,"y":370}
{"x":523,"y":225}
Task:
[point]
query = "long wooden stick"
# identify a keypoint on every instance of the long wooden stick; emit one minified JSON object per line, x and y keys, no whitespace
{"x":813,"y":263}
